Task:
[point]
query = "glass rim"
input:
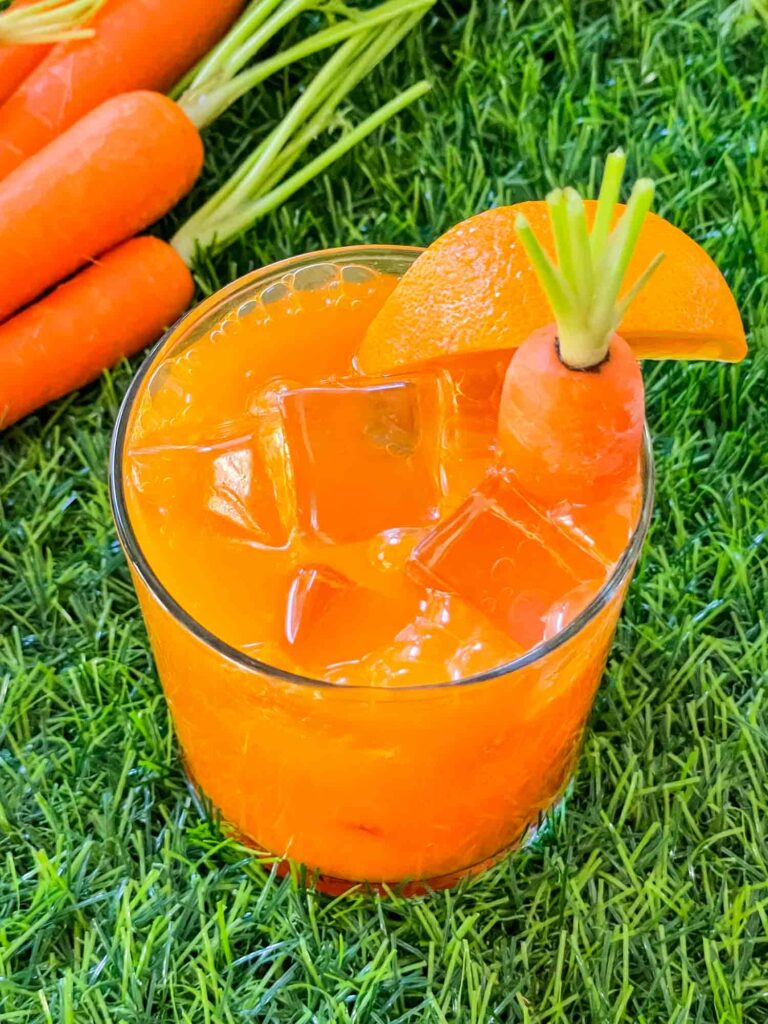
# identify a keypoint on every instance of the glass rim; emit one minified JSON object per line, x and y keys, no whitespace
{"x":157,"y":589}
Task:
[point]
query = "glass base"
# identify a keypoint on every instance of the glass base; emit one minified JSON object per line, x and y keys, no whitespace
{"x":533,"y":836}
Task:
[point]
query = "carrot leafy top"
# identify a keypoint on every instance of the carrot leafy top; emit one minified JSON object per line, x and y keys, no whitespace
{"x":266,"y":178}
{"x":47,"y":21}
{"x":583,"y":285}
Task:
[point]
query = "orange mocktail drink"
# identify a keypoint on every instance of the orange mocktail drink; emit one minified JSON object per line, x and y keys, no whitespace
{"x":379,"y":641}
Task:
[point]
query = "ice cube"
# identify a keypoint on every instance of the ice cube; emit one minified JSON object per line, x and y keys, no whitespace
{"x":389,"y":551}
{"x":447,"y":640}
{"x":240,"y":485}
{"x":500,"y":554}
{"x":365,"y":454}
{"x":471,"y":422}
{"x":330,"y":619}
{"x":569,"y":606}
{"x":603,"y":527}
{"x":477,"y":382}
{"x":242,"y":495}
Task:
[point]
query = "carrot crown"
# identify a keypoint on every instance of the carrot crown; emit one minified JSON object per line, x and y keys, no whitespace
{"x":583,"y":286}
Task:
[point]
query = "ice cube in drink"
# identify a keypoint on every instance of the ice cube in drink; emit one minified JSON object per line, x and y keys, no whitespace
{"x":506,"y":558}
{"x":331,"y":619}
{"x":238,"y":483}
{"x":445,"y":640}
{"x":365,"y":455}
{"x":604,"y":526}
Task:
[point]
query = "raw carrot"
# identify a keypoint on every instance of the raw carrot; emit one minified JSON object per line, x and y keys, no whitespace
{"x":572,"y":407}
{"x":126,"y":163}
{"x":16,"y":64}
{"x":579,"y":430}
{"x":115,"y":172}
{"x":138,"y":44}
{"x":107,"y":311}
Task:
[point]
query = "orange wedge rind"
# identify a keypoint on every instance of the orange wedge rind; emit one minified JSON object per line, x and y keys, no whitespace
{"x":474,"y":290}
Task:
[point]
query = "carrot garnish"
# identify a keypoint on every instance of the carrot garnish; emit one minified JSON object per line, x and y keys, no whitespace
{"x":572,"y":408}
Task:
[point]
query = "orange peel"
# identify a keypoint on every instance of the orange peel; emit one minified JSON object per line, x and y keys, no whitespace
{"x":474,"y":290}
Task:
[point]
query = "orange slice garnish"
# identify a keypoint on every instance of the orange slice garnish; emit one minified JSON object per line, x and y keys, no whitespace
{"x":475,"y":290}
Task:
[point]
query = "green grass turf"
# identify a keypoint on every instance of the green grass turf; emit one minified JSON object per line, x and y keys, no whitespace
{"x":649,"y":901}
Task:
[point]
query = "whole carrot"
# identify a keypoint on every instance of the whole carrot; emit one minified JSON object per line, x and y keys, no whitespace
{"x":111,"y":175}
{"x":137,"y":44}
{"x":109,"y":310}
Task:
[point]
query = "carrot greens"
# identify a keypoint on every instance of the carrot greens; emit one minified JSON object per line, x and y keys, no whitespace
{"x":583,"y":285}
{"x":260,"y":183}
{"x":220,"y":79}
{"x":47,"y":21}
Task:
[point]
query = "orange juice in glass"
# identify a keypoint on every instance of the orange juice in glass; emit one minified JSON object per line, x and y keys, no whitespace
{"x":379,"y":656}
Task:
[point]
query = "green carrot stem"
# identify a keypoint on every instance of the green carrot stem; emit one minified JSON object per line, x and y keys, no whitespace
{"x":583,"y":290}
{"x":639,"y":284}
{"x":48,"y":21}
{"x":366,"y":40}
{"x":606,"y":202}
{"x":225,"y":231}
{"x":378,"y":45}
{"x":254,"y":41}
{"x":211,"y":67}
{"x":243,"y":184}
{"x":317,"y":124}
{"x":557,"y":212}
{"x":551,"y":277}
{"x":204,"y":103}
{"x":314,"y":94}
{"x":580,"y":251}
{"x":619,"y":251}
{"x":355,"y":20}
{"x":340,"y":74}
{"x":314,"y":127}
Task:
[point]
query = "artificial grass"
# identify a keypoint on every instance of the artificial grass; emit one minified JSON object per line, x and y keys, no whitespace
{"x":648,"y":902}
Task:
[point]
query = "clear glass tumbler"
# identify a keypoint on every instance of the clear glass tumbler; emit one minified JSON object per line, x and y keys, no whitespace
{"x":412,"y":786}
